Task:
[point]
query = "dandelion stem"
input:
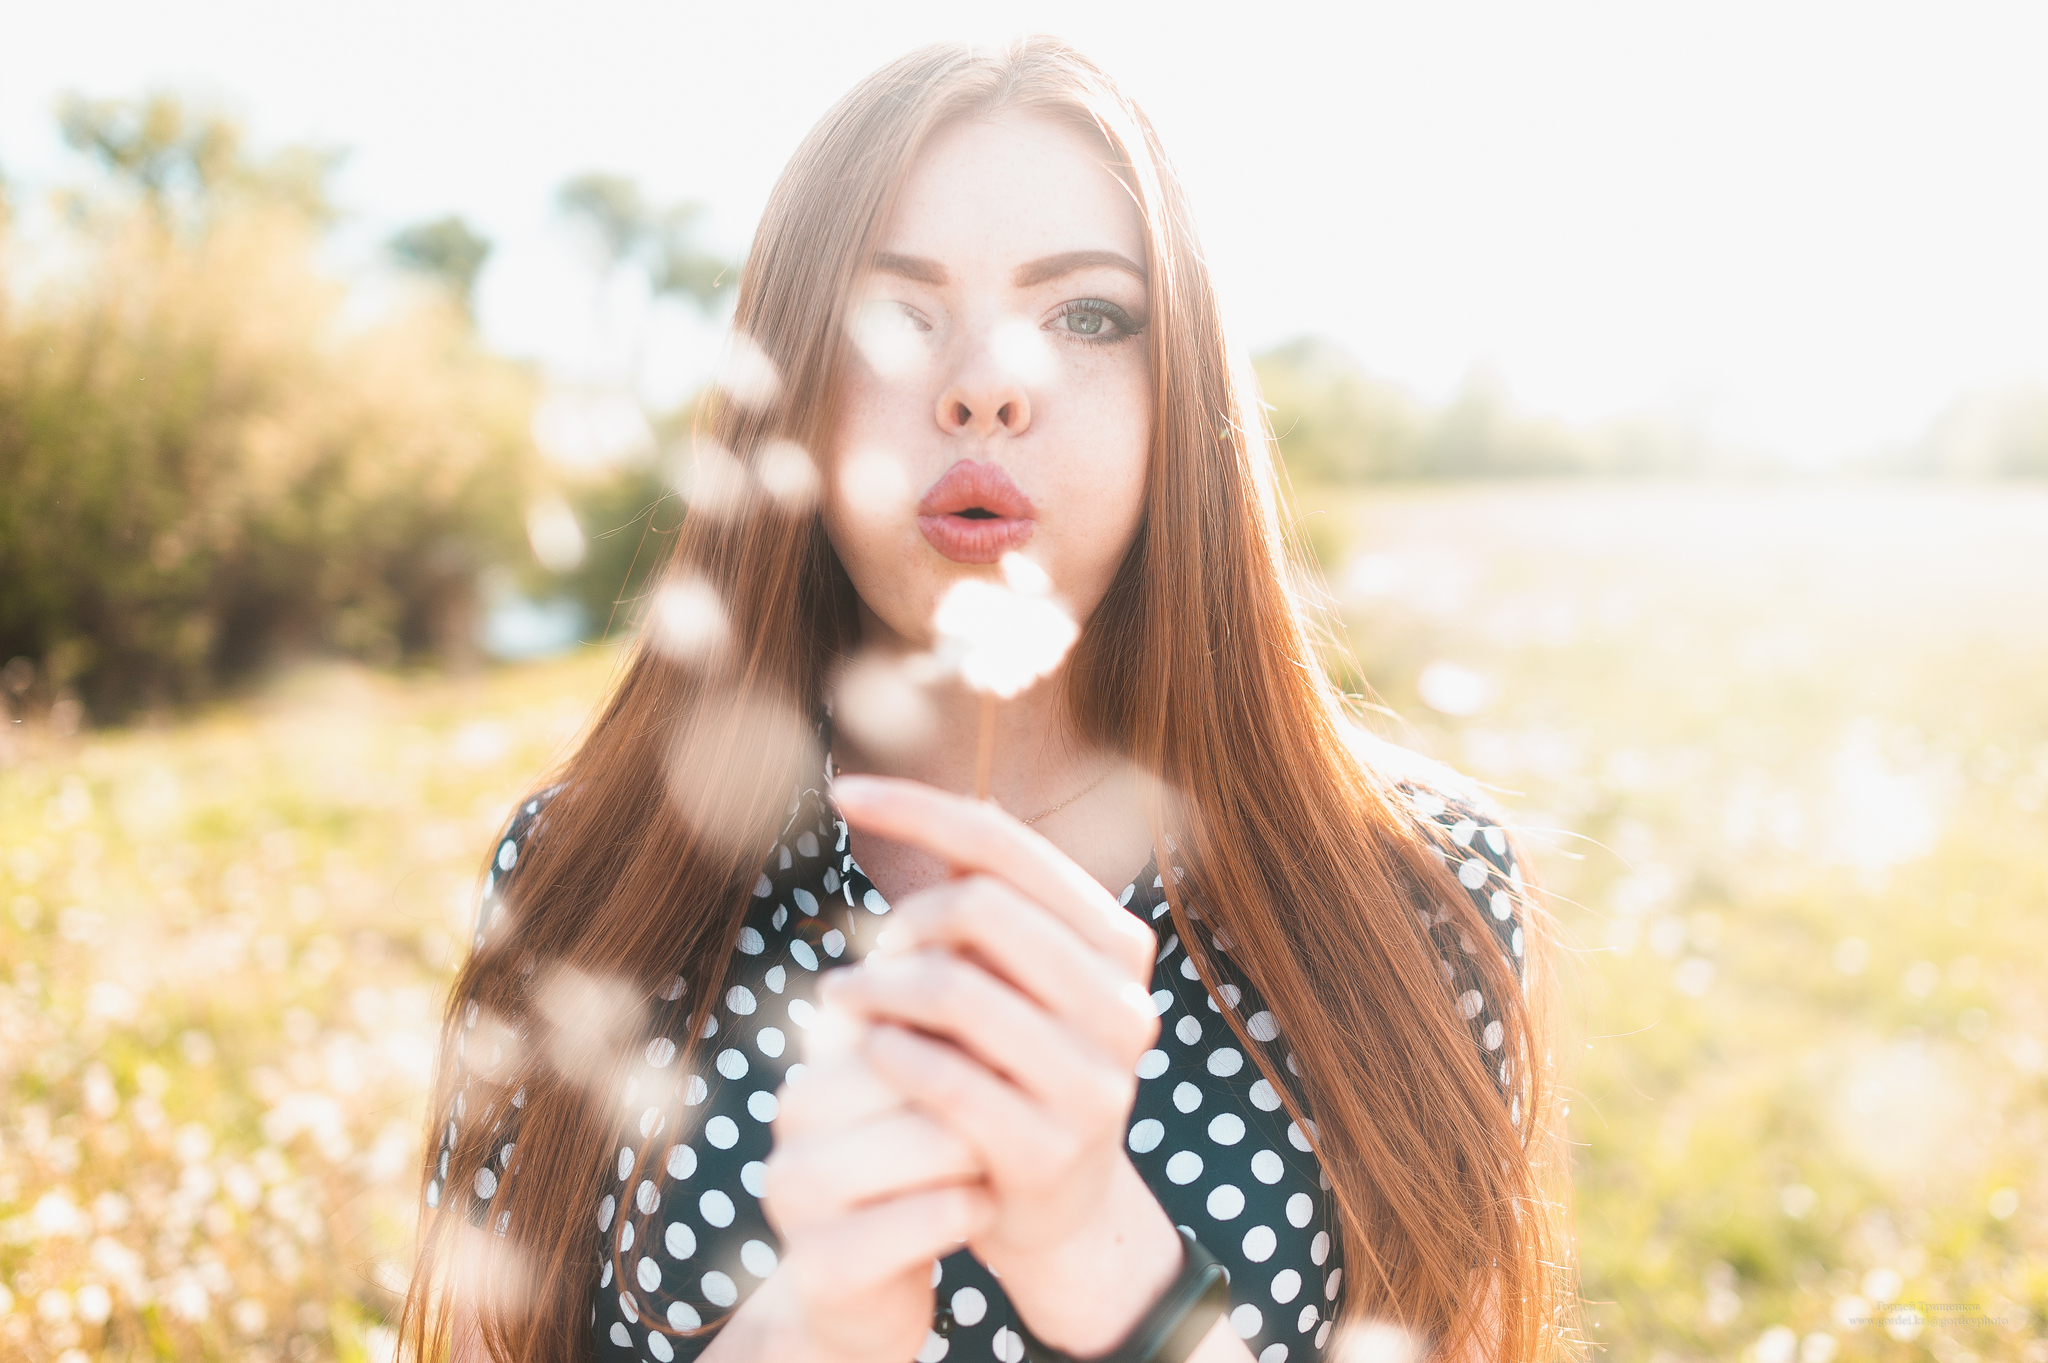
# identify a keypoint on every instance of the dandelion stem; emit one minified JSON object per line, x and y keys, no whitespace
{"x":985,"y":749}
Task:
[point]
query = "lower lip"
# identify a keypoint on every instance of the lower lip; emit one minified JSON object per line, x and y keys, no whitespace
{"x":975,"y":541}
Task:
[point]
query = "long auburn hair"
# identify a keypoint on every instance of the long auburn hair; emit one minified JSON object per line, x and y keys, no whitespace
{"x":1202,"y":666}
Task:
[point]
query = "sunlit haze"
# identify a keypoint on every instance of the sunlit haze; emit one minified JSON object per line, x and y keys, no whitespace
{"x":1800,"y":228}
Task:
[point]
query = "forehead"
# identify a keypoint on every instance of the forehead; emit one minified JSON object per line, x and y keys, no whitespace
{"x":1009,"y":188}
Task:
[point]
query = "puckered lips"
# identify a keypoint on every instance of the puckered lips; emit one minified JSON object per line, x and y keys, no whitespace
{"x":975,"y":513}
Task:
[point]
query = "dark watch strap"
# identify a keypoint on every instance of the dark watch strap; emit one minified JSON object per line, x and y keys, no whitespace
{"x":1177,"y":1322}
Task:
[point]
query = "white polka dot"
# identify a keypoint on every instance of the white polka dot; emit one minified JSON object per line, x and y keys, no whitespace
{"x":779,"y":917}
{"x":800,"y":952}
{"x":1286,"y":1285}
{"x":1319,"y":1248}
{"x":874,"y":903}
{"x":621,"y":1336}
{"x":1267,"y":1167}
{"x":1186,"y":1097}
{"x":1501,"y":905}
{"x":658,"y":1345}
{"x":1225,"y":1201}
{"x":1331,"y":1283}
{"x":771,"y":1041}
{"x":1225,"y":1061}
{"x":1259,"y":1243}
{"x":1301,"y":1209}
{"x":1151,"y":1064}
{"x":1187,"y":968}
{"x":834,"y":942}
{"x":1473,"y":873}
{"x":1246,"y":1320}
{"x":763,"y":887}
{"x":754,"y":1178}
{"x":604,"y":1212}
{"x":1226,"y":1128}
{"x":716,"y":1208}
{"x":801,"y":1013}
{"x":626,"y":1236}
{"x":1308,"y":1317}
{"x":938,"y":1273}
{"x":1263,"y":1097}
{"x":1493,"y":1036}
{"x":660,"y":1051}
{"x":1296,"y":1139}
{"x":647,"y":1197}
{"x":722,"y":1132}
{"x":651,"y":1121}
{"x":1146,"y":1135}
{"x":1161,"y":1001}
{"x":758,"y":1258}
{"x":806,"y":902}
{"x":486,"y":1183}
{"x":1229,"y":993}
{"x":1184,"y":1167}
{"x":740,"y":999}
{"x":710,"y":1026}
{"x":1188,"y":1030}
{"x":732,"y":1064}
{"x":776,"y":977}
{"x":683,"y":1316}
{"x":508,"y":855}
{"x":680,"y":1240}
{"x":751,"y":942}
{"x":1470,"y":1002}
{"x":1262,"y":1026}
{"x":807,"y":843}
{"x":969,"y":1306}
{"x":625,"y":1161}
{"x":1324,"y":1333}
{"x":718,"y":1289}
{"x":695,"y":1091}
{"x":1517,"y":941}
{"x":1273,"y":1353}
{"x":1427,"y":803}
{"x":649,"y":1275}
{"x":761,"y":1105}
{"x":1009,"y":1346}
{"x":934,"y":1347}
{"x":604,"y":1277}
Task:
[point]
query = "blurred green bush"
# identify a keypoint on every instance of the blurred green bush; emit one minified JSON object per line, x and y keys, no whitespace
{"x":206,"y":462}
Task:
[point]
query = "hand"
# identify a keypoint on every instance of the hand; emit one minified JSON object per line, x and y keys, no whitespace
{"x":865,"y":1193}
{"x":1010,"y":1003}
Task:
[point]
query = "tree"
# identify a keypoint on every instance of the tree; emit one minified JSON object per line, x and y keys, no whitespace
{"x":662,"y":242}
{"x":448,"y":250}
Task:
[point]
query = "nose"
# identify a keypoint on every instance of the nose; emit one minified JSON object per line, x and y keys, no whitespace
{"x":983,"y":399}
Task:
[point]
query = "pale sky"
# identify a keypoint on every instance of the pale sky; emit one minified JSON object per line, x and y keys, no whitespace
{"x":1804,"y":227}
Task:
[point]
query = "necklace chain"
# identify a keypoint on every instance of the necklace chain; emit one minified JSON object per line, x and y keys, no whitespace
{"x":1071,"y":798}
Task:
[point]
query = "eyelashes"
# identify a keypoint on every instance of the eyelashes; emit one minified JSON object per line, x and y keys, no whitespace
{"x":1088,"y":318}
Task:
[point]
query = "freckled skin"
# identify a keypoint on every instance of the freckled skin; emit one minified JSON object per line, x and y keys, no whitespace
{"x":1067,"y":415}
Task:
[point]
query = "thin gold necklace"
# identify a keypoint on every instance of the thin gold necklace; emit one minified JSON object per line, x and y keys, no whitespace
{"x":1075,"y":796}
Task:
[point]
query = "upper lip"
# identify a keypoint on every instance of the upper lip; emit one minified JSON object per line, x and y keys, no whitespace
{"x":967,"y":485}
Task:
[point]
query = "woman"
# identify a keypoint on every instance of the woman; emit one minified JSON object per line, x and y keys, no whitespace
{"x":1308,"y":1039}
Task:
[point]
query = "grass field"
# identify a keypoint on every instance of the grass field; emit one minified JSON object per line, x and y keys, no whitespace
{"x":1787,"y":749}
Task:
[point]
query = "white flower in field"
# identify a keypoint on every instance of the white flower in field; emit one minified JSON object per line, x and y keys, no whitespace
{"x":1002,"y":638}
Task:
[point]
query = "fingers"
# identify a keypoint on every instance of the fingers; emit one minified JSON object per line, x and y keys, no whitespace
{"x":820,"y":1175}
{"x":834,"y":1094}
{"x":1018,"y":941}
{"x":943,"y":993}
{"x":842,"y":1256}
{"x":1012,"y":1135}
{"x":977,"y":836}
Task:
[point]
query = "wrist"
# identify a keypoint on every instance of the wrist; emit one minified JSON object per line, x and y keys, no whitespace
{"x":1084,"y":1295}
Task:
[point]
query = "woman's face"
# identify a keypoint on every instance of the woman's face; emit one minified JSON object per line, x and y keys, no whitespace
{"x":999,"y":395}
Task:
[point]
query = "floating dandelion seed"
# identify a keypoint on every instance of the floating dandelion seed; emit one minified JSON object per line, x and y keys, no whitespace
{"x":874,"y":484}
{"x":1001,"y":639}
{"x":592,"y":1020}
{"x":882,"y":702}
{"x":789,"y":475}
{"x":747,"y":375}
{"x":556,"y":538}
{"x":712,"y":481}
{"x":1377,"y":1341}
{"x":686,"y":620}
{"x":887,"y":339}
{"x":1021,"y":348}
{"x":733,"y":764}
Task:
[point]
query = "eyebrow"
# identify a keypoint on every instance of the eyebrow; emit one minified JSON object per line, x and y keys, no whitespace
{"x":925,"y":270}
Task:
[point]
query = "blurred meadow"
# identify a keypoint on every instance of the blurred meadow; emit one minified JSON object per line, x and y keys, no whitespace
{"x":295,"y":604}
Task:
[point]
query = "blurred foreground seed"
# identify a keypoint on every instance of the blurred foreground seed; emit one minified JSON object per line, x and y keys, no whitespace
{"x":1377,"y":1341}
{"x":687,"y":621}
{"x":591,"y":1020}
{"x":747,"y":375}
{"x":556,"y":538}
{"x":881,"y":701}
{"x":712,"y":481}
{"x":790,"y":476}
{"x":733,"y":765}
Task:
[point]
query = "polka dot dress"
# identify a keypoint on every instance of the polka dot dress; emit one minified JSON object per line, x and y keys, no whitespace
{"x":680,"y":1238}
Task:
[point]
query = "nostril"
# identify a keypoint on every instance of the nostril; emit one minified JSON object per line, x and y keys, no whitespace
{"x":961,"y":416}
{"x":1003,"y":414}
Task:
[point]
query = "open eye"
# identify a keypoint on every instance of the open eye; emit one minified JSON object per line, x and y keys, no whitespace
{"x":1095,"y":319}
